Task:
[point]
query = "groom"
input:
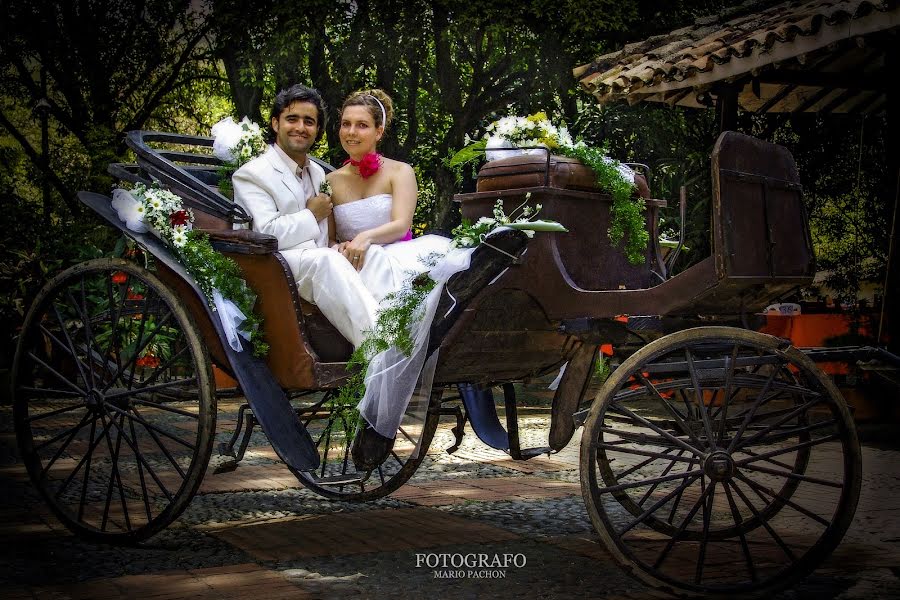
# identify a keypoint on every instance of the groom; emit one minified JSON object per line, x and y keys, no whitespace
{"x":280,"y":191}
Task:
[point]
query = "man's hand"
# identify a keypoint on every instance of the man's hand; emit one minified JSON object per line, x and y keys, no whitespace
{"x":320,"y":205}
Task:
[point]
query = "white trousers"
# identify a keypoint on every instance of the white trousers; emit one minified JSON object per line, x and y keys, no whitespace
{"x":325,"y":278}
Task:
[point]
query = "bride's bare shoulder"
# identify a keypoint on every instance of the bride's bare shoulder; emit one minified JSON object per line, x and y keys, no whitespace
{"x":396,"y":166}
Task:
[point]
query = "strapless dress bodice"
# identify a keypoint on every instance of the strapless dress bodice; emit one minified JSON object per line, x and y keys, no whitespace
{"x":352,"y":218}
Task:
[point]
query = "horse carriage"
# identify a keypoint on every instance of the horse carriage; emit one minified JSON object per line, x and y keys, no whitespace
{"x":715,"y":460}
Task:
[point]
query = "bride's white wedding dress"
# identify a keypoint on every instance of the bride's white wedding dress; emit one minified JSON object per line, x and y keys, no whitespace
{"x":401,"y":259}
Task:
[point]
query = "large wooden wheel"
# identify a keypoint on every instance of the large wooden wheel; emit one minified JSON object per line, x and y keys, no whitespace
{"x":720,"y":462}
{"x":329,"y":425}
{"x":113,"y":402}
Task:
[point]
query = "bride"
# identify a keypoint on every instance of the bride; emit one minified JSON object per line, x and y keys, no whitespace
{"x":374,"y":200}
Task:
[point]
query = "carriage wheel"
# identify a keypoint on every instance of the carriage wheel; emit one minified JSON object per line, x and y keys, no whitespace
{"x":329,"y":427}
{"x":112,"y":400}
{"x":719,"y":461}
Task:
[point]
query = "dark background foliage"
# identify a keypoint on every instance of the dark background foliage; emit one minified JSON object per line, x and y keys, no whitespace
{"x":76,"y":75}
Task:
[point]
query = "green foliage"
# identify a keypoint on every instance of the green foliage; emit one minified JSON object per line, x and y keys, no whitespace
{"x":626,"y":215}
{"x":602,"y":369}
{"x":400,"y":310}
{"x":675,"y":143}
{"x":213,"y":270}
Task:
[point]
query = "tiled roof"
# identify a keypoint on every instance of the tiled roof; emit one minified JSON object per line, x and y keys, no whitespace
{"x":782,"y":57}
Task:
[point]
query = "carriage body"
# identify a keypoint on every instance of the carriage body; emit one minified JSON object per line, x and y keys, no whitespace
{"x":516,"y":314}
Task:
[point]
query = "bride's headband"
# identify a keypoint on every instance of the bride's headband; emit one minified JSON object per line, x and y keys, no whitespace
{"x":381,"y":106}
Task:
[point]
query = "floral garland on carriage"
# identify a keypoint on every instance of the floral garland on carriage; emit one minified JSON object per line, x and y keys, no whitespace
{"x":163,"y":213}
{"x":517,"y":135}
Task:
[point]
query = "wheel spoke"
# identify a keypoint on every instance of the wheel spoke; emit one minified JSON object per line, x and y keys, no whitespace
{"x":759,"y":401}
{"x":407,"y":436}
{"x":58,"y":437}
{"x":726,"y":396}
{"x":67,"y":347}
{"x":795,"y":476}
{"x":64,"y":445}
{"x":87,"y":474}
{"x":140,"y":348}
{"x":707,"y":516}
{"x":156,"y":439}
{"x":150,"y":388}
{"x":165,"y":407}
{"x":85,"y":458}
{"x":739,"y":521}
{"x":802,"y":510}
{"x":701,"y":405}
{"x":89,"y":332}
{"x":659,"y":503}
{"x":113,"y":347}
{"x":669,"y":408}
{"x":114,"y":477}
{"x":781,"y":543}
{"x":636,"y":484}
{"x":794,"y":448}
{"x":619,"y":409}
{"x":668,"y":468}
{"x":641,"y":464}
{"x":49,"y":393}
{"x":56,"y":374}
{"x":140,"y":470}
{"x":684,"y":523}
{"x":802,"y":408}
{"x":157,"y":371}
{"x":149,"y":426}
{"x":141,"y":459}
{"x":53,"y":413}
{"x":664,"y":455}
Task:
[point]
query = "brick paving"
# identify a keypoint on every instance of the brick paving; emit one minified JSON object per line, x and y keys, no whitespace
{"x":340,"y":550}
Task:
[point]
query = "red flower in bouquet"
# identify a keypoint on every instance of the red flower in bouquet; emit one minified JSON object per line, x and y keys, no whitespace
{"x":179,"y":217}
{"x":368,"y":165}
{"x":119,"y":277}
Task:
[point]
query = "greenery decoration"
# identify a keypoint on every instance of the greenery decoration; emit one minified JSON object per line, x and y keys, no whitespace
{"x":163,"y":213}
{"x":626,"y":213}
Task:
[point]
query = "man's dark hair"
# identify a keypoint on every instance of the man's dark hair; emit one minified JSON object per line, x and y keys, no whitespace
{"x":298,"y":93}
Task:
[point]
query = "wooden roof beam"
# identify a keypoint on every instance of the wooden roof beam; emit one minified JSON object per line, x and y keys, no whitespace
{"x":847,"y":81}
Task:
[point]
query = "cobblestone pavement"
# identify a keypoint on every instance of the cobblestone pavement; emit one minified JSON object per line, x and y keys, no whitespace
{"x":255,"y":532}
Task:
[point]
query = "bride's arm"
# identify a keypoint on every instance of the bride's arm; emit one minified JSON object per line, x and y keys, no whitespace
{"x":403,"y":205}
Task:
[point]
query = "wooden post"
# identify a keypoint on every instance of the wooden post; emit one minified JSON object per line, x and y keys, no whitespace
{"x":726,"y":107}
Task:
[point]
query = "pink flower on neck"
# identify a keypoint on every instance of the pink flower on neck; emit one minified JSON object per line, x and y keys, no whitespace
{"x":368,"y":165}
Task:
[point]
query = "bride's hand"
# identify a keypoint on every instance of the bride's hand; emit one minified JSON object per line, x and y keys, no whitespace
{"x":355,"y":251}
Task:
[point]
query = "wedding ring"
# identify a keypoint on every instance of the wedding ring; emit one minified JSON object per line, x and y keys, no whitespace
{"x":355,"y":258}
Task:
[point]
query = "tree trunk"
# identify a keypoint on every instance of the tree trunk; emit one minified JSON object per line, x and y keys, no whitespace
{"x":247,"y":98}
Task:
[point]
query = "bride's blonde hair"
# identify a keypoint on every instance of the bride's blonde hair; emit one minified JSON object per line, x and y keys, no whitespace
{"x":378,"y":103}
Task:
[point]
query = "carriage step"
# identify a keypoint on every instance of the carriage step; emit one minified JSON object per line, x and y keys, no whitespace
{"x":349,"y":478}
{"x":529,"y":453}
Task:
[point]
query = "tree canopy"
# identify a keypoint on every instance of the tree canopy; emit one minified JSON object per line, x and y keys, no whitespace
{"x":77,"y":74}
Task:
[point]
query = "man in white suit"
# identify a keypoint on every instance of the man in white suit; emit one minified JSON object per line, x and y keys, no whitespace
{"x":280,"y":192}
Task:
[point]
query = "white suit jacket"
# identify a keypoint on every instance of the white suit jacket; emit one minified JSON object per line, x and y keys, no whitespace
{"x":272,"y":195}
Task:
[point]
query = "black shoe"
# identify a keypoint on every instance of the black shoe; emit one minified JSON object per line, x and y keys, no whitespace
{"x":369,"y":448}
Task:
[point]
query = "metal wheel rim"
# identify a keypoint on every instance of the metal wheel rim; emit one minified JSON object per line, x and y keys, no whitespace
{"x":137,"y":452}
{"x":389,"y":476}
{"x":674,"y":581}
